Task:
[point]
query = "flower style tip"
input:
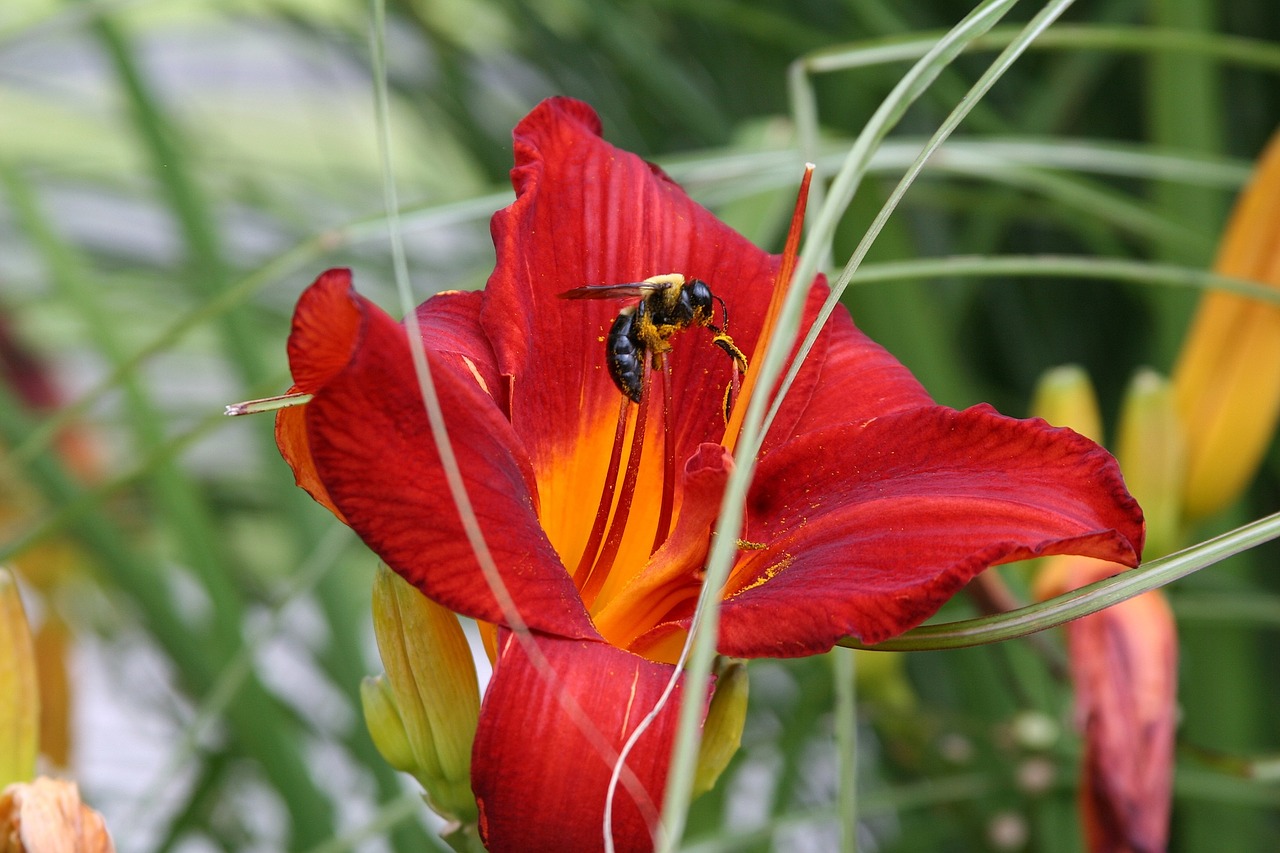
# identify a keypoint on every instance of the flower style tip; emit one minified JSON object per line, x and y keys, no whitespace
{"x":1227,"y":378}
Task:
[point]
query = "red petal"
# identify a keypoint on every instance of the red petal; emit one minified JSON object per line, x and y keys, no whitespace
{"x":589,"y":213}
{"x":549,"y":735}
{"x":858,"y":380}
{"x":871,"y":528}
{"x":449,"y":323}
{"x":375,"y":455}
{"x":326,"y":327}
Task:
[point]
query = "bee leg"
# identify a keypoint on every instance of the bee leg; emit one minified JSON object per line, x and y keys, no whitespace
{"x":726,"y":343}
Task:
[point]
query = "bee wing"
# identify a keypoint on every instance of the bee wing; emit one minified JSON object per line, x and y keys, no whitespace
{"x":613,"y":291}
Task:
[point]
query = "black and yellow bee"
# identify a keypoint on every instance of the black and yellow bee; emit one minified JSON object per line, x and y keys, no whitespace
{"x":668,"y":303}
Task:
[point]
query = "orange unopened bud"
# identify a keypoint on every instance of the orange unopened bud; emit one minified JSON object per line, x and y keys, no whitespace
{"x":1064,"y":397}
{"x":1152,"y":455}
{"x":1124,"y":664}
{"x":722,"y":731}
{"x":1227,"y":379}
{"x":429,"y":702}
{"x":47,"y":816}
{"x":19,"y":699}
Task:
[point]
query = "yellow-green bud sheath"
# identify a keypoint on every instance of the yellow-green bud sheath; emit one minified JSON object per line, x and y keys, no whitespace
{"x":19,"y":694}
{"x":722,"y":731}
{"x":382,"y":718}
{"x":431,"y":679}
{"x":1152,"y":454}
{"x":1065,"y":397}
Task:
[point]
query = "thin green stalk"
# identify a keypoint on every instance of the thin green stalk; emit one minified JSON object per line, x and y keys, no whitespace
{"x":944,"y":790}
{"x":207,"y":270}
{"x":704,"y":630}
{"x":843,"y":663}
{"x":255,"y":718}
{"x":1064,"y":266}
{"x":1227,"y":49}
{"x":1083,"y":601}
{"x":308,"y":252}
{"x":826,"y":219}
{"x":389,"y":816}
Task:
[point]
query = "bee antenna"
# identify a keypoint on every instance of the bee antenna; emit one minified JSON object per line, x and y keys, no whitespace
{"x":724,"y":310}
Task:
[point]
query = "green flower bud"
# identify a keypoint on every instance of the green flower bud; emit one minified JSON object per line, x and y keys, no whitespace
{"x":19,"y":696}
{"x":722,"y":731}
{"x":430,"y":689}
{"x":1152,"y":455}
{"x":382,"y":718}
{"x":1064,"y":397}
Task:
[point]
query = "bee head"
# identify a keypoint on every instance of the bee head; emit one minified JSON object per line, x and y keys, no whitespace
{"x":700,"y":296}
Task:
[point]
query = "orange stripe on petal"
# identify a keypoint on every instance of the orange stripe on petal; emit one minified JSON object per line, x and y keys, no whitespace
{"x":673,"y":574}
{"x":291,"y":438}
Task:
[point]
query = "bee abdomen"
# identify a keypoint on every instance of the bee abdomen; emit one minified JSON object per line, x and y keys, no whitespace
{"x":625,"y":356}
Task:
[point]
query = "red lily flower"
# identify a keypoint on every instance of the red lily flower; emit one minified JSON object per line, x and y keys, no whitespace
{"x":870,"y":508}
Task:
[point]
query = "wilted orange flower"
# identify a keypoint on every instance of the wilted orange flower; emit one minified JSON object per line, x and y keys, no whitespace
{"x":47,"y":816}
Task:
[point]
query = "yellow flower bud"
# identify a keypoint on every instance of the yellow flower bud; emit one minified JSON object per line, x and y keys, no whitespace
{"x":1227,"y":379}
{"x":722,"y":731}
{"x":19,"y":699}
{"x":431,"y":688}
{"x":1152,"y":455}
{"x":1064,"y":397}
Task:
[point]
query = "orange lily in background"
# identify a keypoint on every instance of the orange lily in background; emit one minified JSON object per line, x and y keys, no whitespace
{"x":1227,"y":377}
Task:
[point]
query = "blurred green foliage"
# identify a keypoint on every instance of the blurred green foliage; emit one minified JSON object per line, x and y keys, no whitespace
{"x":172,"y":174}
